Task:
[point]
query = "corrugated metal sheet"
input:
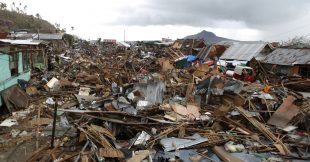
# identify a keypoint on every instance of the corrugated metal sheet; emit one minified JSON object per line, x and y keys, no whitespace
{"x":48,"y":36}
{"x":21,"y":35}
{"x":243,"y":51}
{"x":42,"y":36}
{"x":173,"y":143}
{"x":123,"y":44}
{"x":290,"y":57}
{"x":21,"y":42}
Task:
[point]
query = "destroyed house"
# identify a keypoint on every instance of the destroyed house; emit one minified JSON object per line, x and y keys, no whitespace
{"x":35,"y":50}
{"x":245,"y":52}
{"x":15,"y":62}
{"x":24,"y":35}
{"x":55,"y":41}
{"x":189,"y":46}
{"x":289,"y":62}
{"x":212,"y":52}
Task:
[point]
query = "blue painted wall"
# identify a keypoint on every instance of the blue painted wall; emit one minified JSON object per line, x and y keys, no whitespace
{"x":4,"y":67}
{"x":6,"y":80}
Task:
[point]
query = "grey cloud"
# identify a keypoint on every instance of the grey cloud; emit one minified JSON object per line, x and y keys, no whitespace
{"x":254,"y":13}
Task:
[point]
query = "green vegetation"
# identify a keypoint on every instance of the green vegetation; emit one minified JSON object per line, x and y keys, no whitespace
{"x":17,"y":18}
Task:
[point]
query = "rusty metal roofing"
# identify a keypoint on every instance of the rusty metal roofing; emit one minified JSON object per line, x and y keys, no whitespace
{"x":290,"y":57}
{"x":244,"y":51}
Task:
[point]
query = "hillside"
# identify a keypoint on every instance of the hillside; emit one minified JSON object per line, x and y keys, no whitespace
{"x":12,"y":20}
{"x":208,"y":36}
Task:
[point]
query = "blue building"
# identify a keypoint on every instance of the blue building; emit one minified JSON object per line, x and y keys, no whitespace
{"x":16,"y":59}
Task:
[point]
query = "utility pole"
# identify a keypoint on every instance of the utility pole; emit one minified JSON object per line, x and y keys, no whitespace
{"x":38,"y":31}
{"x":124,"y":35}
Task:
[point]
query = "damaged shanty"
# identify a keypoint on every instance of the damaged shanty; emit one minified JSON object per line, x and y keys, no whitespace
{"x":289,"y":62}
{"x":55,"y":40}
{"x":34,"y":52}
{"x":16,"y":59}
{"x":189,"y":46}
{"x":129,"y":106}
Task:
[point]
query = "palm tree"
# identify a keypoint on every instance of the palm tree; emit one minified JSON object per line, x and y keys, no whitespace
{"x":57,"y":25}
{"x":38,"y":16}
{"x":13,"y":8}
{"x":72,"y":28}
{"x":3,"y":6}
{"x":25,"y":8}
{"x":99,"y":41}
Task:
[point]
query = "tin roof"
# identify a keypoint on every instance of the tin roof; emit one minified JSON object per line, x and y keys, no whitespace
{"x":21,"y":42}
{"x":123,"y":44}
{"x":48,"y":36}
{"x":290,"y":57}
{"x":20,"y":35}
{"x":42,"y":36}
{"x":244,"y":51}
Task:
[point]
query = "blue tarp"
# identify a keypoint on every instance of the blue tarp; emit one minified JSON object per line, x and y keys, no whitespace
{"x":191,"y":58}
{"x":186,"y":61}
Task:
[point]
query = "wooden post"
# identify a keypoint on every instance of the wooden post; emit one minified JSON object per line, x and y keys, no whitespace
{"x":54,"y":124}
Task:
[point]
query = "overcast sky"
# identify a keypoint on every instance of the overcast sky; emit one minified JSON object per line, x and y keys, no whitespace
{"x":267,"y":20}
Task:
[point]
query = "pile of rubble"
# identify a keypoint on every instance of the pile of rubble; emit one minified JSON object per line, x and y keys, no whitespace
{"x":128,"y":107}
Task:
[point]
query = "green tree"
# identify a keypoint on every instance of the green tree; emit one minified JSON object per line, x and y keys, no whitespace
{"x":13,"y":8}
{"x":63,"y":30}
{"x":98,"y":40}
{"x":3,"y":6}
{"x":38,"y":15}
{"x":25,"y":8}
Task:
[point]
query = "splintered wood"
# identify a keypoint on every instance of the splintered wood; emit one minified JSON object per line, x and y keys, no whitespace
{"x":110,"y":152}
{"x":97,"y":136}
{"x":266,"y":132}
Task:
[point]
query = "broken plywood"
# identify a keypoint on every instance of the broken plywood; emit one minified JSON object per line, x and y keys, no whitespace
{"x":284,"y":113}
{"x":111,"y":152}
{"x":139,"y":156}
{"x":15,"y":96}
{"x":190,"y":111}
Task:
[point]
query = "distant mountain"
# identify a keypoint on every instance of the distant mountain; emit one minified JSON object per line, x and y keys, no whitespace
{"x":209,"y":37}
